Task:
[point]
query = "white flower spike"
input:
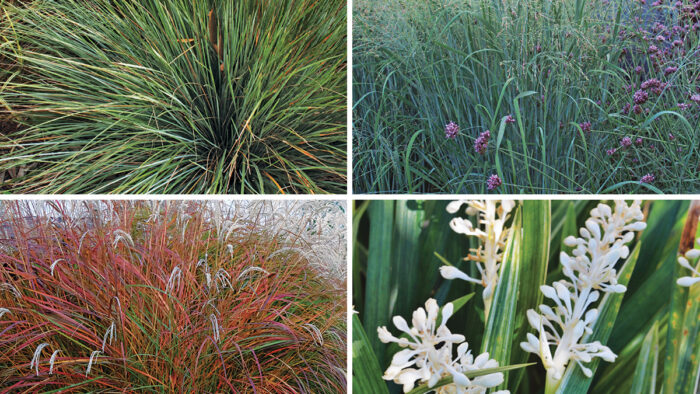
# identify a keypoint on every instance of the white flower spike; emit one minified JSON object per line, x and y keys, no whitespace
{"x":492,"y":238}
{"x":684,"y":261}
{"x":428,"y":357}
{"x":591,"y":270}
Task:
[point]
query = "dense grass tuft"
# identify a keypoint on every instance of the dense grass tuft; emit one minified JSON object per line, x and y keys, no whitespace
{"x":553,"y":82}
{"x":174,"y":96}
{"x":166,"y":298}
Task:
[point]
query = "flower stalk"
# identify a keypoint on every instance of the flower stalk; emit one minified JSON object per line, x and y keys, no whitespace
{"x":492,"y":234}
{"x":590,"y":271}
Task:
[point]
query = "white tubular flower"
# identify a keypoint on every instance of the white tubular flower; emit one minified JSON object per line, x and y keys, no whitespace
{"x":601,"y":245}
{"x":492,"y":236}
{"x":421,"y":353}
{"x":684,"y":261}
{"x":422,"y":361}
{"x":590,"y":271}
{"x":465,"y":363}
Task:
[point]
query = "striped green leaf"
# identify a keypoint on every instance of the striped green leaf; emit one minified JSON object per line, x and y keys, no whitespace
{"x":645,"y":372}
{"x":380,"y":271}
{"x":682,"y":357}
{"x":366,"y":373}
{"x":500,"y":324}
{"x":534,"y":252}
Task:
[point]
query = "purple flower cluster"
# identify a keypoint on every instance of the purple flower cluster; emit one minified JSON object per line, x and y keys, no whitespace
{"x":482,"y":143}
{"x":670,"y":70}
{"x":611,"y":151}
{"x":451,"y":130}
{"x":640,"y":97}
{"x":648,"y":178}
{"x":626,"y":142}
{"x":493,"y":182}
{"x":651,"y":83}
{"x":585,"y":127}
{"x":510,"y":119}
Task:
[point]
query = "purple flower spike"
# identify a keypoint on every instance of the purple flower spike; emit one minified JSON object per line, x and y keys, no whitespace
{"x":640,"y":97}
{"x":493,"y":182}
{"x":451,"y":130}
{"x":482,"y":143}
{"x":648,"y":178}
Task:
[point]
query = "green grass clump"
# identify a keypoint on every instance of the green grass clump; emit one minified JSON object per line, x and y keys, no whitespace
{"x":554,"y":67}
{"x":171,"y":297}
{"x":174,"y":96}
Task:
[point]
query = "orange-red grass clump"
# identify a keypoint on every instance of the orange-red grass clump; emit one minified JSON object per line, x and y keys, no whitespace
{"x":127,"y":296}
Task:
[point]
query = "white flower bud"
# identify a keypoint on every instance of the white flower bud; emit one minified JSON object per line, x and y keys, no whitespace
{"x":692,"y":254}
{"x":687,"y":281}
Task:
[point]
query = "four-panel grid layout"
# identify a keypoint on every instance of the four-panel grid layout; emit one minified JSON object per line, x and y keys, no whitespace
{"x":364,"y":196}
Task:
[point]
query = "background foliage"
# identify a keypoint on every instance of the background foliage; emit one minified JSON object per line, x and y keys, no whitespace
{"x":654,"y":317}
{"x":566,"y":71}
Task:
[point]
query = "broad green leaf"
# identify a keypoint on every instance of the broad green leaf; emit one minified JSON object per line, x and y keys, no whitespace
{"x":499,"y":333}
{"x":408,"y":218}
{"x":645,"y":372}
{"x":574,"y":381}
{"x":380,"y":271}
{"x":366,"y":373}
{"x":357,"y":251}
{"x":534,"y":252}
{"x":569,"y":226}
{"x":681,"y":362}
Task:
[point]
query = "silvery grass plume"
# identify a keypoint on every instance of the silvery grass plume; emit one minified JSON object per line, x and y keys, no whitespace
{"x":93,"y":358}
{"x":222,"y":280}
{"x":428,"y":357}
{"x":492,"y":238}
{"x":174,"y":280}
{"x":122,"y":236}
{"x":53,"y":360}
{"x":35,"y":360}
{"x":315,"y":333}
{"x":109,"y":334}
{"x":11,"y":288}
{"x":591,"y":269}
{"x":684,"y":261}
{"x":3,"y":311}
{"x":54,"y":264}
{"x":215,"y":327}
